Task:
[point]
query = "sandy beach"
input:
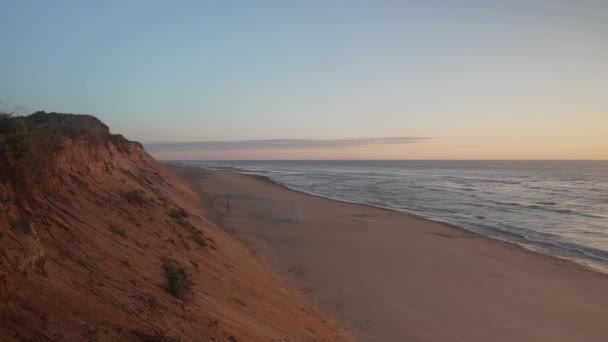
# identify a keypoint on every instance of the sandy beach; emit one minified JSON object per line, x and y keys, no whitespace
{"x":390,"y":276}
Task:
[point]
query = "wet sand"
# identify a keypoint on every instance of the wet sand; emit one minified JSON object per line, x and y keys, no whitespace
{"x":390,"y":276}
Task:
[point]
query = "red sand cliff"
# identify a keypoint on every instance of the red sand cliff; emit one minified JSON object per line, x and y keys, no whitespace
{"x":82,"y":243}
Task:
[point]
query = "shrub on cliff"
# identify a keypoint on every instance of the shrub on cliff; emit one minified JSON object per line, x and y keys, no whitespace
{"x":69,"y":125}
{"x":6,"y":122}
{"x":24,"y":151}
{"x":177,"y":279}
{"x":28,"y":144}
{"x":134,"y":197}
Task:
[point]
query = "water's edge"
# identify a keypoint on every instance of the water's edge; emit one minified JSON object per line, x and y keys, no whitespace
{"x":530,"y":247}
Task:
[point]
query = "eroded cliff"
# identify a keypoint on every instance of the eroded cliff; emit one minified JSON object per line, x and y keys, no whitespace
{"x":98,"y":241}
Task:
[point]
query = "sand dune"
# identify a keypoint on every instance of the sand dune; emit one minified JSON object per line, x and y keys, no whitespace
{"x":83,"y":253}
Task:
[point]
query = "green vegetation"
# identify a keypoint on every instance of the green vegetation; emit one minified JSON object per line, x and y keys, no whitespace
{"x":25,"y":143}
{"x":33,"y":140}
{"x":40,"y":263}
{"x":180,"y":215}
{"x":177,"y":279}
{"x":22,"y":226}
{"x":68,"y":125}
{"x":134,"y":197}
{"x":118,"y":231}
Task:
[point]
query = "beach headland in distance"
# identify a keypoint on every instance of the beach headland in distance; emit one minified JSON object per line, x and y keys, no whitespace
{"x":391,"y":276}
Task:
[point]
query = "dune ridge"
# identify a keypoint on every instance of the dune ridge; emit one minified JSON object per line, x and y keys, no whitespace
{"x":85,"y":234}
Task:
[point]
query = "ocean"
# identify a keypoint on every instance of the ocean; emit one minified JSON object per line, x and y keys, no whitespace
{"x":553,"y":207}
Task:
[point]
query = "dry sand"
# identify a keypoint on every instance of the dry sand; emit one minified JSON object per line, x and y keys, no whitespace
{"x":389,"y":276}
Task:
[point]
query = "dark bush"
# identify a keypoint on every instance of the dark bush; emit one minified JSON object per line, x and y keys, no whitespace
{"x":6,"y":123}
{"x":69,"y":125}
{"x":178,"y":213}
{"x":177,"y":279}
{"x":134,"y":197}
{"x":118,"y":231}
{"x":180,"y":217}
{"x":29,"y":146}
{"x":22,"y":226}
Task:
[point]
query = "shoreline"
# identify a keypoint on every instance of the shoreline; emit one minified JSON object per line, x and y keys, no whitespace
{"x":558,"y":259}
{"x":358,"y":265}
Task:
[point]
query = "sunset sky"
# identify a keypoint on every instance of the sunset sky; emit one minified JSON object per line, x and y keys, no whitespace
{"x":320,"y":79}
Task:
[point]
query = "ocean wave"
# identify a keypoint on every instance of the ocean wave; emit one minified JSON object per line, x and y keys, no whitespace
{"x":589,"y":252}
{"x":511,"y":204}
{"x":562,"y":211}
{"x":502,"y":231}
{"x":466,"y":180}
{"x":546,"y":203}
{"x":473,"y":204}
{"x":520,"y":209}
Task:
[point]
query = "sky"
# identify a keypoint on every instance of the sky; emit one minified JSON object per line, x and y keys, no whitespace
{"x":320,"y":79}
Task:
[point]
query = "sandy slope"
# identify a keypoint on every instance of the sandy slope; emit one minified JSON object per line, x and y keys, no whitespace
{"x":395,"y":277}
{"x":79,"y":261}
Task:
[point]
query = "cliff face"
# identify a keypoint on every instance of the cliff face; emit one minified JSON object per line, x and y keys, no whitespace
{"x":100,"y":242}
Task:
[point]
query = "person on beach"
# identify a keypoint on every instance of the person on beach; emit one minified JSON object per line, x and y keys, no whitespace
{"x":296,"y":214}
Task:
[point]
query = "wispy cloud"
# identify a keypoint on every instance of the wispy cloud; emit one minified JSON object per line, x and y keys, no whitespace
{"x":464,"y":146}
{"x":281,"y":144}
